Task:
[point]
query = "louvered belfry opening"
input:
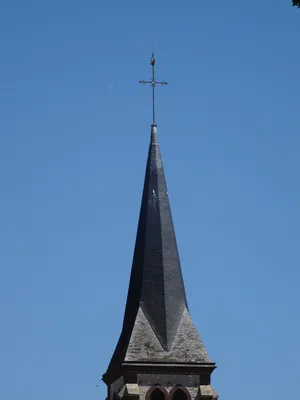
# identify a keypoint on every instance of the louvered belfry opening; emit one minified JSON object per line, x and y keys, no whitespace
{"x":179,"y":394}
{"x":157,"y":394}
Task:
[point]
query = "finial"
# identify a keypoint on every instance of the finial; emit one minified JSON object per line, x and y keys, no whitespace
{"x":152,"y":62}
{"x":153,"y":83}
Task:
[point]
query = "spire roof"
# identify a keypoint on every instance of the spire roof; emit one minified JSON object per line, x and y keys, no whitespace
{"x":157,"y":326}
{"x":156,"y":283}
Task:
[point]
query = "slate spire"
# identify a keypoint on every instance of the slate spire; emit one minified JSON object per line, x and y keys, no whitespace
{"x":156,"y":283}
{"x":157,"y":326}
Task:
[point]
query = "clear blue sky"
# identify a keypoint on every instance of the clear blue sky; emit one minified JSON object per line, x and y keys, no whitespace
{"x":74,"y":137}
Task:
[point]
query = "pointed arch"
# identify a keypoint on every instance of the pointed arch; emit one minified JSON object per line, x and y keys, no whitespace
{"x":157,"y":392}
{"x":179,"y":393}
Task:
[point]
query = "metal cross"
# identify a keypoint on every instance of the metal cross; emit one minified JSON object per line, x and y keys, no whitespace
{"x":153,"y":83}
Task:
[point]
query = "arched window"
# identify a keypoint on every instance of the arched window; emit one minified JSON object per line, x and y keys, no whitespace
{"x":157,"y":394}
{"x":179,"y":394}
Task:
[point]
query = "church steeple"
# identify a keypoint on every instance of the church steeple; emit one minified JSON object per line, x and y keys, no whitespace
{"x":156,"y":283}
{"x":158,"y":333}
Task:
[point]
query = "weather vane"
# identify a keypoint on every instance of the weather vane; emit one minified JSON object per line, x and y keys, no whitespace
{"x":153,"y":83}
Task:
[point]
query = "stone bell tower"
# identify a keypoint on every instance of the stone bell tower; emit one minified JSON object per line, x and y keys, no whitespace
{"x":159,"y":355}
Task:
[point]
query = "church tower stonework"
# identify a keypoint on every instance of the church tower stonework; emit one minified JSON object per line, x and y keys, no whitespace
{"x":159,"y":355}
